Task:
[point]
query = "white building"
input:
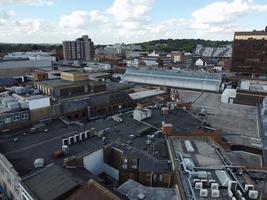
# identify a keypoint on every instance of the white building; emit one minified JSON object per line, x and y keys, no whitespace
{"x":31,"y":55}
{"x":228,"y":96}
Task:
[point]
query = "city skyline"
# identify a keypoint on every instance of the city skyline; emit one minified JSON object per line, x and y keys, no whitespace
{"x":129,"y":21}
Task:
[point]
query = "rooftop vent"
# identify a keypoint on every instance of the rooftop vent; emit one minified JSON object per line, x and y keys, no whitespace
{"x":141,"y":196}
{"x":189,"y":146}
{"x":117,"y":118}
{"x":198,"y":185}
{"x":203,"y":193}
{"x":214,"y":186}
{"x":39,"y":162}
{"x":140,"y":114}
{"x":215,"y":193}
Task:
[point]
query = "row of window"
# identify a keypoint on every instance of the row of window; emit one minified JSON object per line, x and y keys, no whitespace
{"x":14,"y":118}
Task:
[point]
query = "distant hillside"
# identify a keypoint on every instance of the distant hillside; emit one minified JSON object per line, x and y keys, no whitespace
{"x":5,"y":48}
{"x":187,"y":45}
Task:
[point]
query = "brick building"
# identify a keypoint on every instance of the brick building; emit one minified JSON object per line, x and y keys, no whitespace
{"x":250,"y":52}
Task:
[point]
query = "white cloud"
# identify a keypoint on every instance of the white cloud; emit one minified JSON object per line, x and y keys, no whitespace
{"x":97,"y":16}
{"x":5,"y":16}
{"x":131,"y":14}
{"x":126,"y":21}
{"x":29,"y":2}
{"x":29,"y":26}
{"x":221,"y":16}
{"x":76,"y":20}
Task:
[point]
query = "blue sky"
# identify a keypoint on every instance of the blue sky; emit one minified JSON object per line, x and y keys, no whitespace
{"x":111,"y":21}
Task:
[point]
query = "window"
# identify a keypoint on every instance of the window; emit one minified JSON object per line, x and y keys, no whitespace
{"x":124,"y":166}
{"x":125,"y":163}
{"x":16,"y":118}
{"x":134,"y":166}
{"x":7,"y":120}
{"x":25,"y":116}
{"x":160,"y":178}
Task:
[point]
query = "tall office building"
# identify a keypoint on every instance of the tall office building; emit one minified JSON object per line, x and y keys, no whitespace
{"x":80,"y":49}
{"x":250,"y":52}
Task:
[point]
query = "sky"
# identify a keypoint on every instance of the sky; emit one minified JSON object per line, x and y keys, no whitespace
{"x":128,"y":21}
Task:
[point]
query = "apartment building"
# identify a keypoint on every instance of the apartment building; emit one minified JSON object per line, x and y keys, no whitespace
{"x":250,"y":52}
{"x":80,"y":49}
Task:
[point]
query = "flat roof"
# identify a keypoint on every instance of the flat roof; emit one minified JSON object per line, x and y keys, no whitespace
{"x":95,"y":190}
{"x":131,"y":189}
{"x":146,"y":93}
{"x":42,"y":144}
{"x":65,"y":83}
{"x":247,"y":33}
{"x":50,"y":183}
{"x":203,"y":155}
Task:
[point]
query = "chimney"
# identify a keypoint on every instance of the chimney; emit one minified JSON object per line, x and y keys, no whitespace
{"x":167,"y":129}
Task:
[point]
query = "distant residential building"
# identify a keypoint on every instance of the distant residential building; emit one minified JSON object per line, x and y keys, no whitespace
{"x":97,"y":66}
{"x":113,"y":60}
{"x":250,"y":52}
{"x":199,"y":61}
{"x":31,"y":55}
{"x":113,"y":50}
{"x":80,"y":49}
{"x":133,"y":63}
{"x":132,"y":54}
{"x":157,"y":60}
{"x":177,"y":56}
{"x":135,"y":47}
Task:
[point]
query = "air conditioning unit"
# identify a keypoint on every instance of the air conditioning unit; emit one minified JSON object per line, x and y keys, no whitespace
{"x":198,"y":185}
{"x":233,"y":198}
{"x":249,"y":187}
{"x":215,"y":193}
{"x":243,"y":198}
{"x":214,"y":186}
{"x":203,"y":193}
{"x":253,"y":194}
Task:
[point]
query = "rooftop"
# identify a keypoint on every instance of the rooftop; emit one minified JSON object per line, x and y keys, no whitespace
{"x":134,"y":191}
{"x":50,"y":183}
{"x":130,"y":136}
{"x":146,"y":93}
{"x":96,"y":191}
{"x":204,"y":153}
{"x":65,"y":83}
